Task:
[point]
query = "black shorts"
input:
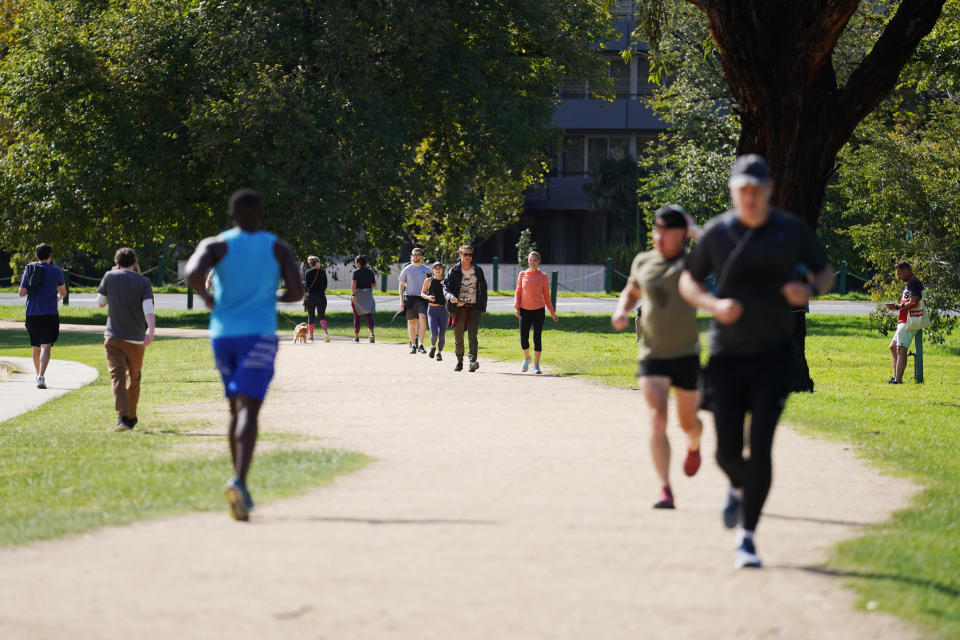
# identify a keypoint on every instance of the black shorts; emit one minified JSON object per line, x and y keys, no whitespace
{"x":43,"y":329}
{"x":683,"y":372}
{"x":415,"y":306}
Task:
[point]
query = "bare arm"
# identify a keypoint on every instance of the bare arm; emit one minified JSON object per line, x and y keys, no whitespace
{"x":425,"y":288}
{"x":208,"y":253}
{"x":61,"y":292}
{"x":626,"y":303}
{"x":724,"y":310}
{"x":798,"y":294}
{"x":289,"y":271}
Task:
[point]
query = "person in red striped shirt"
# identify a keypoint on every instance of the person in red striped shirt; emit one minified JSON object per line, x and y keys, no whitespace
{"x":532,"y":296}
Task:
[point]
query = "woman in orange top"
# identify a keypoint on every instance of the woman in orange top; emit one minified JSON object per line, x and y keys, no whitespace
{"x":533,"y":294}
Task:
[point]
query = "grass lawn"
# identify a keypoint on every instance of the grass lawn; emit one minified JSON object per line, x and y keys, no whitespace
{"x":63,"y":471}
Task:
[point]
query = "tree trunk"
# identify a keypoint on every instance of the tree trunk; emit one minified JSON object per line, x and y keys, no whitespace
{"x":777,"y":61}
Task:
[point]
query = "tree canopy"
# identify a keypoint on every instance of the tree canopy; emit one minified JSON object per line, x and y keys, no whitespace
{"x":363,"y":123}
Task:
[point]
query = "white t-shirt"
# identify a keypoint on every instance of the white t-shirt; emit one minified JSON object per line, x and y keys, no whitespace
{"x":468,"y":287}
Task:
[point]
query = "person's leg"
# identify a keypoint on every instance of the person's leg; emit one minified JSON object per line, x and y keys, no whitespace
{"x":461,"y":320}
{"x":655,"y":391}
{"x":434,"y":319}
{"x":245,"y":434}
{"x":232,"y":430}
{"x":730,"y":410}
{"x":442,"y":338}
{"x":525,"y":323}
{"x":311,"y":306}
{"x":422,"y":326}
{"x":687,"y":402}
{"x":45,"y":358}
{"x":538,"y":317}
{"x":894,"y":354}
{"x":475,"y":317}
{"x":134,"y":354}
{"x":370,"y":323}
{"x":412,"y":329}
{"x":356,"y":320}
{"x":36,"y":359}
{"x":901,"y":363}
{"x":322,"y":313}
{"x":117,"y":366}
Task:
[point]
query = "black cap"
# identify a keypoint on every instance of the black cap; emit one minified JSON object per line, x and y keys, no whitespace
{"x":749,"y":169}
{"x":671,"y":216}
{"x":436,"y":264}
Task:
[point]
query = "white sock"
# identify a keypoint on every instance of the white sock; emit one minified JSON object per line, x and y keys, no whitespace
{"x":737,"y":493}
{"x":744,"y":534}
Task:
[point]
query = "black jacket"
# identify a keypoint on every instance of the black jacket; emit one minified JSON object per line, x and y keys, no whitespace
{"x":454,"y":279}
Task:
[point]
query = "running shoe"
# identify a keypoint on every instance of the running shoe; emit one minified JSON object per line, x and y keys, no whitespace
{"x":894,"y":381}
{"x":691,"y":464}
{"x":666,"y":499}
{"x":372,"y":339}
{"x":439,"y":357}
{"x":526,"y":365}
{"x":356,"y":339}
{"x":123,"y":424}
{"x":733,"y":510}
{"x":41,"y":382}
{"x":239,"y":499}
{"x":413,"y":349}
{"x":536,"y":369}
{"x":745,"y":556}
{"x":433,"y":352}
{"x":474,"y":365}
{"x":326,"y":337}
{"x":459,"y":366}
{"x":421,"y":349}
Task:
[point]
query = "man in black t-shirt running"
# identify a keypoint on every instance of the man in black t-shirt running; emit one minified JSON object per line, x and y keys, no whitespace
{"x":754,"y":251}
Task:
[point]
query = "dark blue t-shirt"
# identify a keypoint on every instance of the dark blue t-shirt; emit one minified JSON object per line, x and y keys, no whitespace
{"x":44,"y":301}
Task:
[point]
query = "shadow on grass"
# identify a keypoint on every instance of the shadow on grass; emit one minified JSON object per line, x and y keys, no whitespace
{"x":17,"y":339}
{"x":924,"y":583}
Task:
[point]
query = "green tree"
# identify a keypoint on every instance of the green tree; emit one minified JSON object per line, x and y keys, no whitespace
{"x":525,"y":245}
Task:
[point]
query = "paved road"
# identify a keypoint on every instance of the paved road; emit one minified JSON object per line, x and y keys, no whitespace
{"x":496,"y":304}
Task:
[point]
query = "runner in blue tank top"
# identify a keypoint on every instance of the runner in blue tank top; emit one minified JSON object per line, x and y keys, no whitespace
{"x":247,"y":263}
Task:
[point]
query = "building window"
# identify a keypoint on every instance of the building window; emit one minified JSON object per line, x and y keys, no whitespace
{"x":582,"y":154}
{"x":572,"y":158}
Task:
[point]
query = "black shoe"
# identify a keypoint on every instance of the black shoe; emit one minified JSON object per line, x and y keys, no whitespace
{"x":239,"y":500}
{"x":733,"y":510}
{"x":433,"y":352}
{"x":421,"y":349}
{"x":356,"y":339}
{"x":439,"y":357}
{"x":123,"y":424}
{"x":413,"y":349}
{"x":893,"y":381}
{"x":474,"y":365}
{"x":372,"y":339}
{"x":459,"y":366}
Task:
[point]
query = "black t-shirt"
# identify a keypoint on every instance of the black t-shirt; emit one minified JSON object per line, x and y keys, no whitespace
{"x":768,"y":257}
{"x":436,"y":290}
{"x":364,"y":278}
{"x":315,"y":282}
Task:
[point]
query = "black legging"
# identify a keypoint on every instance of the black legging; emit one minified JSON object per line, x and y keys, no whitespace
{"x":316,"y":307}
{"x":757,"y":384}
{"x":535,"y":319}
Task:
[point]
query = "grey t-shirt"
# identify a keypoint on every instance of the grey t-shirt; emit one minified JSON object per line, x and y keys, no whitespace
{"x":414,"y":275}
{"x":125,"y":291}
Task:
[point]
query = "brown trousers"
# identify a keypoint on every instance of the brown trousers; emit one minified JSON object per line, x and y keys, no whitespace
{"x":125,"y":360}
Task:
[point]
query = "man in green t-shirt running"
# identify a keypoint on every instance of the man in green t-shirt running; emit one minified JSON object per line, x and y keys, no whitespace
{"x":669,"y":342}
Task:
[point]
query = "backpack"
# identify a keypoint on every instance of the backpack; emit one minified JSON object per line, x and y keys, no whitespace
{"x":33,"y":278}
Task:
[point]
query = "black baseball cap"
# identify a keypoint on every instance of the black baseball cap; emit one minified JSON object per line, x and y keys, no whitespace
{"x":749,"y":169}
{"x":671,"y":216}
{"x":436,"y":264}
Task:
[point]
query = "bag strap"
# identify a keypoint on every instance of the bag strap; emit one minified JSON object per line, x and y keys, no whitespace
{"x":315,"y":276}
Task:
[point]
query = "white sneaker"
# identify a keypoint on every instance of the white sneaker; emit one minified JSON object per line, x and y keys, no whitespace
{"x":41,"y":382}
{"x":746,"y":556}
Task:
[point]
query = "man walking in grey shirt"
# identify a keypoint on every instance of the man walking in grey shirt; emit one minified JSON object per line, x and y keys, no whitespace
{"x":130,"y":326}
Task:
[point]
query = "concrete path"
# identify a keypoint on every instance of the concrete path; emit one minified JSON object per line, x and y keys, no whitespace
{"x":19,"y":393}
{"x":500,"y":505}
{"x":496,"y":304}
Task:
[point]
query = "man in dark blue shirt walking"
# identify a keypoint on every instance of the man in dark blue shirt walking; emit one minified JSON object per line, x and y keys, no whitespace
{"x":43,"y":286}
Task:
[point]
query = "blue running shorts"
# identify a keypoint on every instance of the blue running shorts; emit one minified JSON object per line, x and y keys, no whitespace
{"x":245,"y":364}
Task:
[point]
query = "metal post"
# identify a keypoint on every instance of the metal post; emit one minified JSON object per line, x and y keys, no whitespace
{"x":161,"y":267}
{"x":918,"y":358}
{"x":608,"y":276}
{"x":842,"y":281}
{"x":189,"y":296}
{"x":383,"y":282}
{"x":496,"y":273}
{"x":554,"y":283}
{"x":66,"y":285}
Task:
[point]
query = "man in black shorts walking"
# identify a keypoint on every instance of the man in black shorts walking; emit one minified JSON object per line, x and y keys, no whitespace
{"x":755,"y":252}
{"x":669,"y":342}
{"x":43,"y":286}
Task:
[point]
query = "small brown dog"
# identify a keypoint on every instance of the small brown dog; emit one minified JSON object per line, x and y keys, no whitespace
{"x":300,"y":333}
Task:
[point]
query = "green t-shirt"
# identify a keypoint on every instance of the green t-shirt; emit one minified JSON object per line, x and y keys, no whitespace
{"x":668,"y":322}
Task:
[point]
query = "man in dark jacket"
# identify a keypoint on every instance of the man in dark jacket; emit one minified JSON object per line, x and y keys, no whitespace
{"x":465,"y":289}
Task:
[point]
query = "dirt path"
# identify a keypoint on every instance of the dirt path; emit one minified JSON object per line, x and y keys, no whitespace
{"x":500,"y":507}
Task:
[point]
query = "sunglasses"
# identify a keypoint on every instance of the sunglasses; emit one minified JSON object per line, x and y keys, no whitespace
{"x":466,"y":254}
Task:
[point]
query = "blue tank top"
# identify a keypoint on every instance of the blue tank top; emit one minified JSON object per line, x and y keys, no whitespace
{"x":245,"y":286}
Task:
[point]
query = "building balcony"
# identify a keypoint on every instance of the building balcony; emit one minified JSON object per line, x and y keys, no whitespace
{"x":559,"y":194}
{"x":599,"y":115}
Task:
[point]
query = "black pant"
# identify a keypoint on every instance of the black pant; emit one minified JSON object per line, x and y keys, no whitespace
{"x":757,"y":384}
{"x":316,"y":307}
{"x":531,"y":318}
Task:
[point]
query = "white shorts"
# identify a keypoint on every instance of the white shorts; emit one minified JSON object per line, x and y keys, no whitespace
{"x":902,"y":337}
